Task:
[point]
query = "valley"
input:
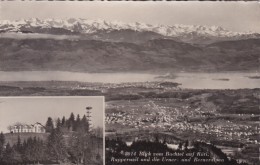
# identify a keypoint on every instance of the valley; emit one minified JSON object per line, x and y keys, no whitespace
{"x":222,"y":117}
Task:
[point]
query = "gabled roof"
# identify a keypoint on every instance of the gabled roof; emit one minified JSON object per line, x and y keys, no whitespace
{"x":28,"y":125}
{"x":37,"y":123}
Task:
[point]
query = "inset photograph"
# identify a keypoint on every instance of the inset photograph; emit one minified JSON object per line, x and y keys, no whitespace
{"x":51,"y":130}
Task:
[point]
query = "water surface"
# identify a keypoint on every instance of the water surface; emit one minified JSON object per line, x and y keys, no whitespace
{"x":188,"y":80}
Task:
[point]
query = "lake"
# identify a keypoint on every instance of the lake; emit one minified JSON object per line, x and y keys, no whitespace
{"x":188,"y":80}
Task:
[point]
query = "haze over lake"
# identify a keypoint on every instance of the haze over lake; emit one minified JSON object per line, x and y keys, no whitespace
{"x":188,"y":80}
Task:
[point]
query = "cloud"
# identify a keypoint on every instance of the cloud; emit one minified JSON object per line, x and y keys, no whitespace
{"x":38,"y":36}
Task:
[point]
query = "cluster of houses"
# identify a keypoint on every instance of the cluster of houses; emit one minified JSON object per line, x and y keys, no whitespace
{"x":130,"y":87}
{"x":22,"y":128}
{"x":225,"y":131}
{"x":160,"y":119}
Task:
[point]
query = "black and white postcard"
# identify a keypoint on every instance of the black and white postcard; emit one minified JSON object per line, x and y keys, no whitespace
{"x":180,"y":79}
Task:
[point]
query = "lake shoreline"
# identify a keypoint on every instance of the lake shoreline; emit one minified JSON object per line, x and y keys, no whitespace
{"x":236,"y":80}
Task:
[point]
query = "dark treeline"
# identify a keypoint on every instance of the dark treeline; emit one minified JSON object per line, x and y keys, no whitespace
{"x":71,"y":124}
{"x":31,"y":151}
{"x":117,"y":149}
{"x":69,"y":141}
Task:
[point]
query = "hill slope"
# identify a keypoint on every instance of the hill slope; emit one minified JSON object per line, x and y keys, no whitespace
{"x":12,"y":138}
{"x":153,"y":55}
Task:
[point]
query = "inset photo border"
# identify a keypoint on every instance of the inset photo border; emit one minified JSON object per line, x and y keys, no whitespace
{"x":51,"y":130}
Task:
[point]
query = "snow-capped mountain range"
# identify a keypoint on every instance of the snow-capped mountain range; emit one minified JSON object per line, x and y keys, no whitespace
{"x":85,"y":26}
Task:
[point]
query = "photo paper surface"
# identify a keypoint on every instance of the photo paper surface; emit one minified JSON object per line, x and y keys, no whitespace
{"x":180,"y":79}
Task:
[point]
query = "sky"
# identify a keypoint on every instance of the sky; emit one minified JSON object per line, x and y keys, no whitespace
{"x":234,"y":16}
{"x":30,"y":110}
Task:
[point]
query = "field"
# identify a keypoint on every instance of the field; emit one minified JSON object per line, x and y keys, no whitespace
{"x":12,"y":138}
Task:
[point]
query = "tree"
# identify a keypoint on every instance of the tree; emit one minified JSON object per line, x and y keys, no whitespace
{"x":28,"y":150}
{"x":34,"y":150}
{"x":63,"y":121}
{"x":72,"y":117}
{"x":77,"y":146}
{"x":7,"y":153}
{"x":18,"y":144}
{"x":10,"y":127}
{"x":11,"y":156}
{"x":2,"y":143}
{"x":77,"y":123}
{"x":71,"y":121}
{"x":84,"y":124}
{"x":58,"y":123}
{"x":56,"y":146}
{"x":38,"y":150}
{"x":49,"y":125}
{"x":98,"y":132}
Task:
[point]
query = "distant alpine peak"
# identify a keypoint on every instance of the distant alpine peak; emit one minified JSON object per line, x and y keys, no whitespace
{"x":91,"y":26}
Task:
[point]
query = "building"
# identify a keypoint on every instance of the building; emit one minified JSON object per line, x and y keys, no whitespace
{"x":22,"y":128}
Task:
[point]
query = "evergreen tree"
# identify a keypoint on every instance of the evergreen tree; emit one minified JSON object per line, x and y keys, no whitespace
{"x":7,"y":153}
{"x":41,"y":150}
{"x":38,"y":150}
{"x":2,"y":143}
{"x":2,"y":138}
{"x":18,"y":144}
{"x":98,"y":132}
{"x":28,"y":150}
{"x":76,"y":124}
{"x":85,"y":124}
{"x":63,"y":121}
{"x":49,"y":125}
{"x":71,"y":121}
{"x":11,"y":156}
{"x":58,"y":124}
{"x":24,"y":145}
{"x":72,"y":117}
{"x":76,"y":147}
{"x":56,"y":146}
{"x":34,"y":150}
